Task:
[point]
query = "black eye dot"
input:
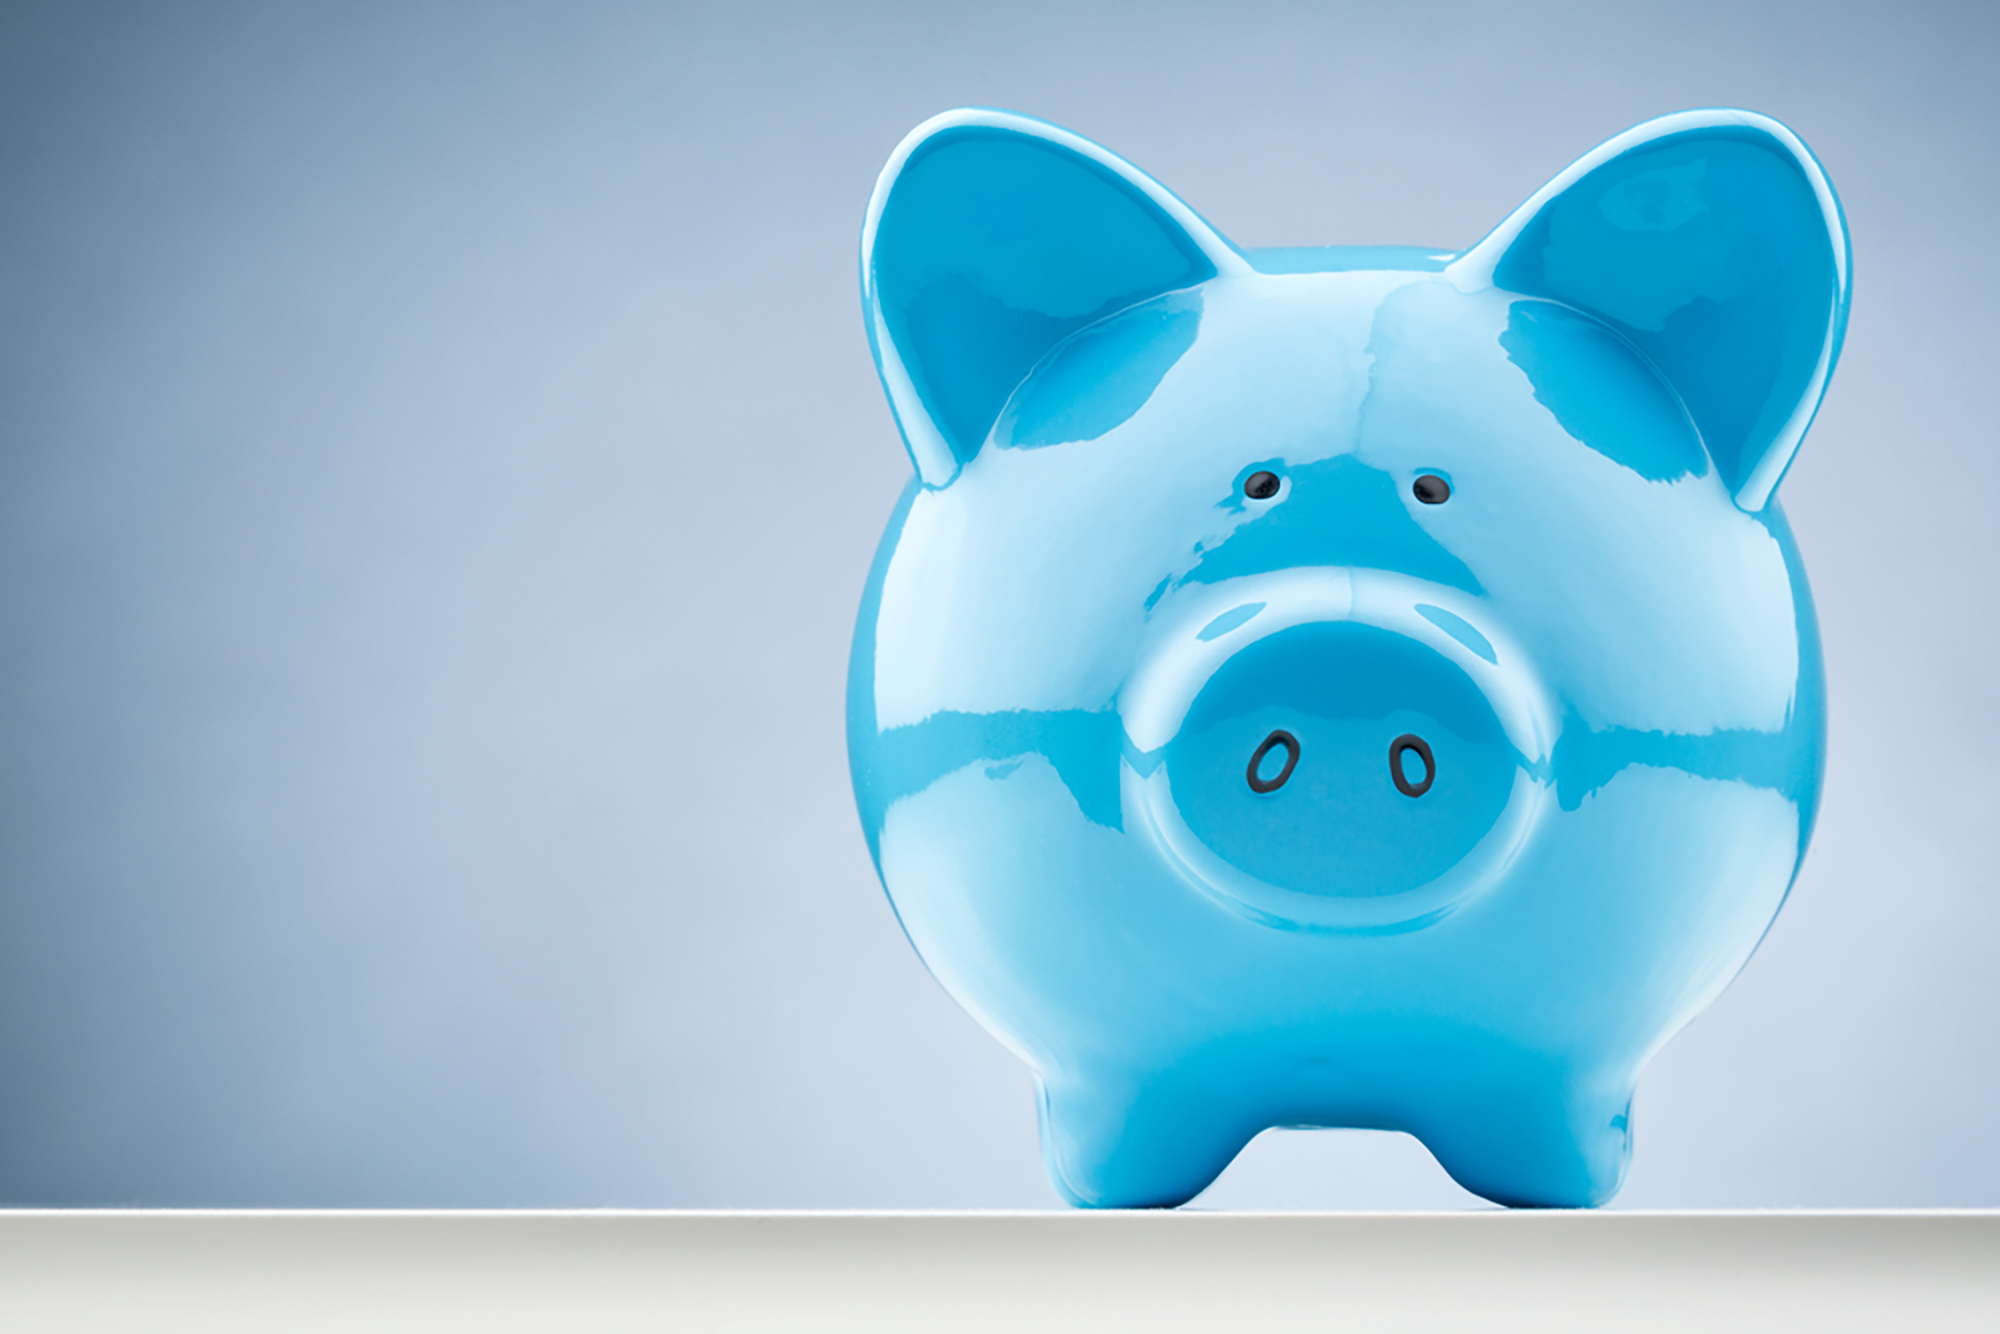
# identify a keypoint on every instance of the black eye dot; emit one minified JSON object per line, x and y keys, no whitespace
{"x":1261,"y":485}
{"x":1432,"y":489}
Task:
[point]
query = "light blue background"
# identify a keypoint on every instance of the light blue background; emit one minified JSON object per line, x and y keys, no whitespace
{"x":439,"y":461}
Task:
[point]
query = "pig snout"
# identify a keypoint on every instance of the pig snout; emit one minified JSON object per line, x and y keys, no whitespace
{"x":1333,"y":748}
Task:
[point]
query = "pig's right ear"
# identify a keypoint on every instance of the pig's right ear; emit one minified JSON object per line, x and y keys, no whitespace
{"x":991,"y":238}
{"x":1712,"y":242}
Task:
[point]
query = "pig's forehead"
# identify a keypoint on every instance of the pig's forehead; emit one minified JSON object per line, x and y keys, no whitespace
{"x":1271,"y":328}
{"x":1331,"y":314}
{"x":1334,"y":311}
{"x":1291,"y":356}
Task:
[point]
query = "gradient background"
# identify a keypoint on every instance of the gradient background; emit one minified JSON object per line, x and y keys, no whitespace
{"x":439,"y":462}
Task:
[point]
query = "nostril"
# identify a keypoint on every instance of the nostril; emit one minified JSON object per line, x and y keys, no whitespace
{"x":1400,"y":765}
{"x":1279,"y":738}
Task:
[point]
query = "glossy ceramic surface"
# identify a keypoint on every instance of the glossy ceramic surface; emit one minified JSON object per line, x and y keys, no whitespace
{"x":1342,"y":687}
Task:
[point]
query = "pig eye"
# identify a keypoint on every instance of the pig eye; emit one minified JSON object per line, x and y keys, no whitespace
{"x":1431,"y":489}
{"x":1261,"y":485}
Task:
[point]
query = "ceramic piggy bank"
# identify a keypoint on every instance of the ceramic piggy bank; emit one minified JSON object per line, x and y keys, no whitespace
{"x":1342,"y":687}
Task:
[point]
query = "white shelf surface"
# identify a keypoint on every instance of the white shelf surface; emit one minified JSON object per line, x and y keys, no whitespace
{"x":613,"y":1271}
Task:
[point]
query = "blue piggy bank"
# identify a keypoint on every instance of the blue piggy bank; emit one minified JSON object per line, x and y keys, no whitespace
{"x":1351,"y":686}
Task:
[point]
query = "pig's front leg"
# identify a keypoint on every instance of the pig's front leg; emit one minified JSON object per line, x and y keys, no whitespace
{"x":1135,"y":1141}
{"x":1541,"y":1139}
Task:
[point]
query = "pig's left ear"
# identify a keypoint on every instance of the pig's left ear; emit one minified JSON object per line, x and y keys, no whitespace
{"x":1712,"y":241}
{"x":991,"y":238}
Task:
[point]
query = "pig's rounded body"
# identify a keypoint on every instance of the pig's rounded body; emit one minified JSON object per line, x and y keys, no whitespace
{"x":1236,"y":777}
